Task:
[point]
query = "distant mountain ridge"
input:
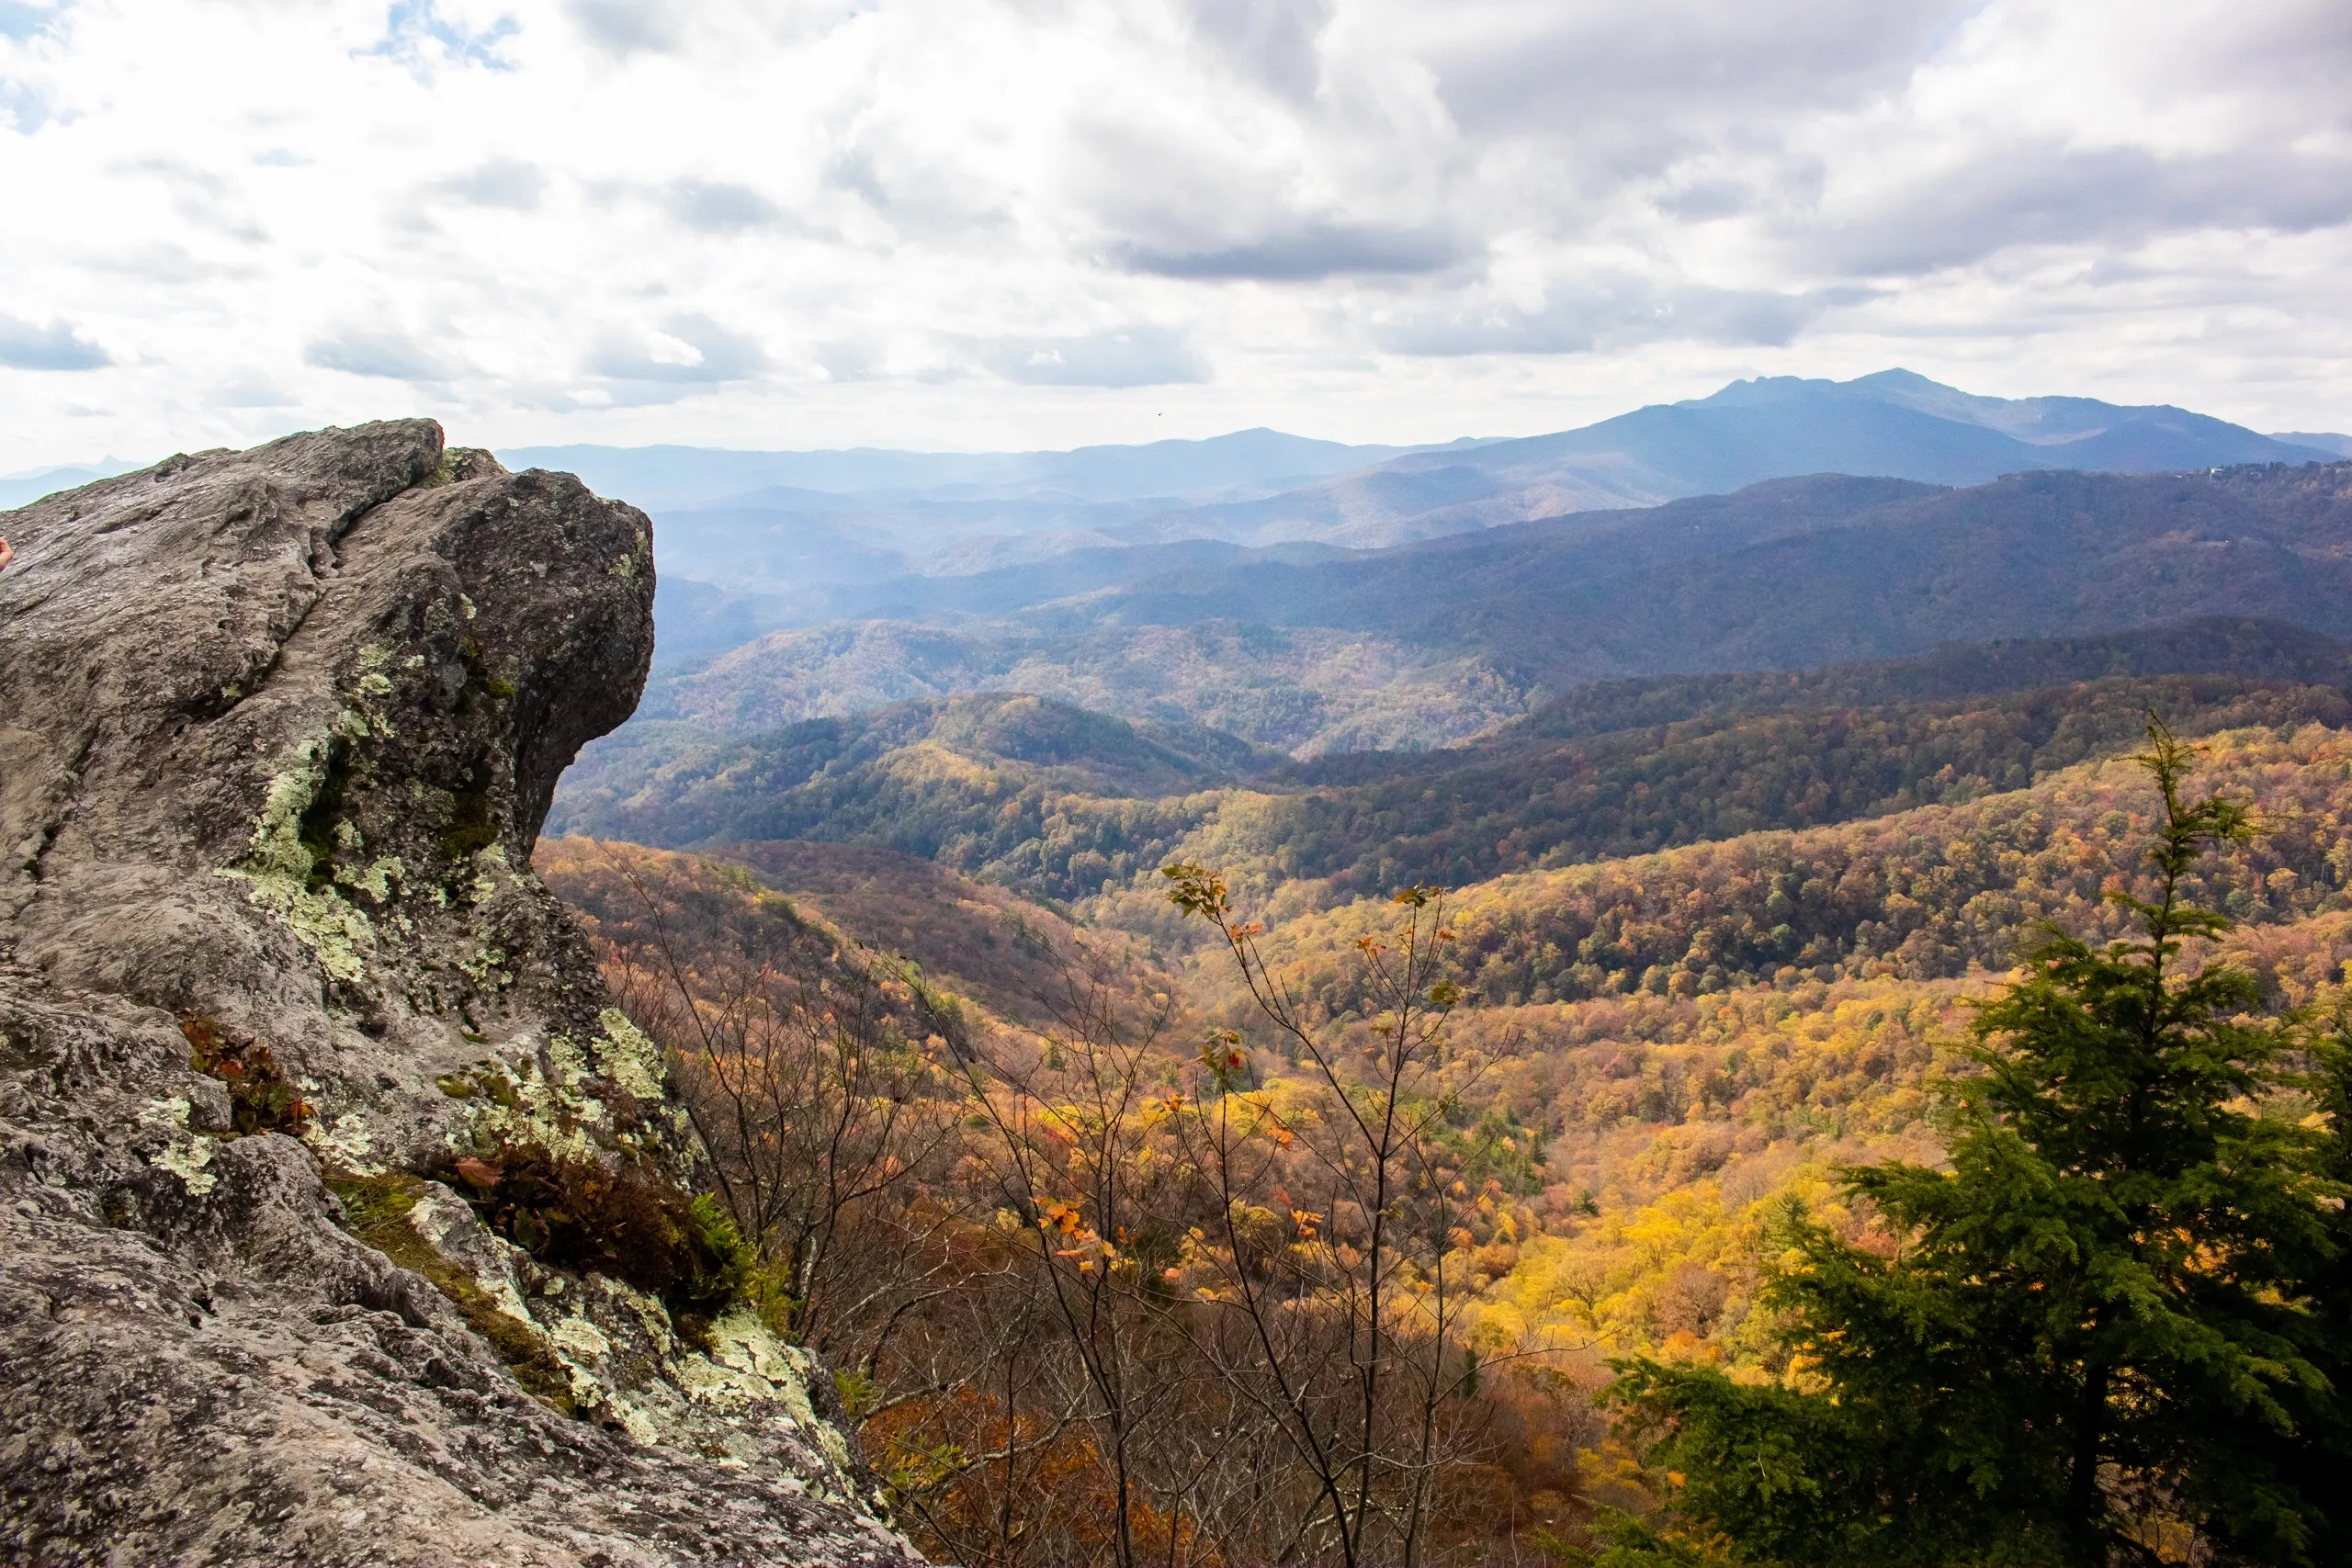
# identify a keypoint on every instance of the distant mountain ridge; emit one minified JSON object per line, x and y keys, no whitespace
{"x":802,"y":538}
{"x":2240,"y":647}
{"x":1795,"y":573}
{"x":22,"y":489}
{"x":1314,"y":650}
{"x":1894,"y":424}
{"x":675,"y":478}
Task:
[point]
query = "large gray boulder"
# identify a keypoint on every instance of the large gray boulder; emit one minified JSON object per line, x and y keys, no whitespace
{"x":277,"y":732}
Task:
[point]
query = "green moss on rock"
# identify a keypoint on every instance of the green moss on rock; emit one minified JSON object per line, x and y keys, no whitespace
{"x":377,"y":1209}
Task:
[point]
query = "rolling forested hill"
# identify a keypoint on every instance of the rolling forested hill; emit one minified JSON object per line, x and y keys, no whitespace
{"x":1654,"y":1050}
{"x":1069,"y":804}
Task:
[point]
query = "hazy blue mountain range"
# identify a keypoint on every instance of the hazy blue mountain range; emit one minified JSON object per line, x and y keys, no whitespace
{"x":782,"y":530}
{"x":753,"y":541}
{"x":23,"y":488}
{"x":1313,"y":650}
{"x":669,"y":478}
{"x":1894,"y":424}
{"x":1794,"y":573}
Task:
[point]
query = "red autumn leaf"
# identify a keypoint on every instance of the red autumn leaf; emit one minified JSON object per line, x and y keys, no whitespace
{"x":482,"y":1173}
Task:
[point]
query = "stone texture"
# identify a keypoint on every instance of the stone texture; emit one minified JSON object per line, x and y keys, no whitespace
{"x":278,"y":731}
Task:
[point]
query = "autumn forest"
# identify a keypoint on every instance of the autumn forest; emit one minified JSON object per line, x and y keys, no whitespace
{"x":1661,"y":1129}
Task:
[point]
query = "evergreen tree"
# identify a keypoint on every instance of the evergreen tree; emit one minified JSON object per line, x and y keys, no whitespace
{"x":2101,"y":1336}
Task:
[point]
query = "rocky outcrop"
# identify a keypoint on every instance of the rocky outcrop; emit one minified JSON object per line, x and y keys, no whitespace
{"x":283,"y":1017}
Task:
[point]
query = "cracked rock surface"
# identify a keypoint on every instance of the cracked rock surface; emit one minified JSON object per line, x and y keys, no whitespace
{"x":277,"y":732}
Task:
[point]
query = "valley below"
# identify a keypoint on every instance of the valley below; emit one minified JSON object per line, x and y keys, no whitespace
{"x":1727,"y":816}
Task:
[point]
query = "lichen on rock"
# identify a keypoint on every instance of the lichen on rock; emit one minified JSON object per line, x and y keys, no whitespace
{"x":627,"y":1056}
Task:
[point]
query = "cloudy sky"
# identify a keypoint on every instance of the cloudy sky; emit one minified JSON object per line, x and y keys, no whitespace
{"x":1040,"y":223}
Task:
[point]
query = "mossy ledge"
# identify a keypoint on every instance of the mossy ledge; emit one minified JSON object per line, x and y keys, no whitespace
{"x":377,"y":1209}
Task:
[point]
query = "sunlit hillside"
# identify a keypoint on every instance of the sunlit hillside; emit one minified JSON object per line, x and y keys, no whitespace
{"x":1654,"y":1054}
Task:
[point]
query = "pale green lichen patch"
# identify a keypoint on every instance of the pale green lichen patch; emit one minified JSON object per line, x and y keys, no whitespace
{"x":583,"y":1349}
{"x":728,"y":1392}
{"x":521,"y":1106}
{"x":334,"y":930}
{"x":279,"y":864}
{"x":650,"y":1316}
{"x":345,"y":1146}
{"x":378,"y":879}
{"x":566,"y":1063}
{"x":484,"y":966}
{"x":629,"y":1058}
{"x":836,"y":1447}
{"x":635,"y":1422}
{"x":187,"y":1160}
{"x":277,"y":846}
{"x":567,"y":1071}
{"x":578,"y":1339}
{"x":747,"y":1362}
{"x":489,"y":870}
{"x":185,"y":1156}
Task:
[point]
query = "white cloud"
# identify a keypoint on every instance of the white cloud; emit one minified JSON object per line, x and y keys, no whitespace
{"x":51,"y":345}
{"x":1013,"y":222}
{"x":495,"y":182}
{"x":687,"y":350}
{"x":1121,"y":357}
{"x":383,"y":353}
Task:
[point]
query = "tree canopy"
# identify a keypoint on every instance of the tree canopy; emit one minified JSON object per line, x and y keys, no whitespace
{"x":2102,"y":1332}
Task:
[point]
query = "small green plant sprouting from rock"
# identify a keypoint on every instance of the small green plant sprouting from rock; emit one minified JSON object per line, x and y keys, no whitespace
{"x":860,"y":1394}
{"x":769,"y":1290}
{"x":723,"y":1260}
